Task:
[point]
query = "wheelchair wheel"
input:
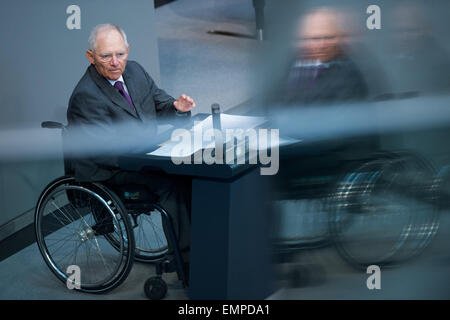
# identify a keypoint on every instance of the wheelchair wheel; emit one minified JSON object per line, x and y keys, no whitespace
{"x":72,"y":221}
{"x":443,"y":181}
{"x":155,"y":288}
{"x":151,"y":242}
{"x":385,"y":212}
{"x":300,"y":210}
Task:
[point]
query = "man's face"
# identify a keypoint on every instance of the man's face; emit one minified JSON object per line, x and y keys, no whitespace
{"x":319,"y":37}
{"x":110,"y":55}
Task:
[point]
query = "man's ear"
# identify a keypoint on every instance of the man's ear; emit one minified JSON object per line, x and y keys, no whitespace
{"x":90,"y":56}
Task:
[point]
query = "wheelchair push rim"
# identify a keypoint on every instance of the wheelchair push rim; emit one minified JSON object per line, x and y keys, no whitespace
{"x":67,"y":236}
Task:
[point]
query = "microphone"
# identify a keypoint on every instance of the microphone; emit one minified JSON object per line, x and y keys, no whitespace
{"x":215,"y":111}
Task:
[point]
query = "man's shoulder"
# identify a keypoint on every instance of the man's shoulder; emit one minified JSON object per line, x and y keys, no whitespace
{"x":134,"y":66}
{"x":85,"y":83}
{"x":137,"y":77}
{"x":135,"y":69}
{"x":85,"y":89}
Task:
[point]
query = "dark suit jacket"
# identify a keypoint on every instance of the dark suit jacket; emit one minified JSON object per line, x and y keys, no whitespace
{"x":340,"y":81}
{"x":96,"y":112}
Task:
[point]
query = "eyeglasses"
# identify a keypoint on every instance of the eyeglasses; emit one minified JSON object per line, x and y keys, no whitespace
{"x":107,"y":57}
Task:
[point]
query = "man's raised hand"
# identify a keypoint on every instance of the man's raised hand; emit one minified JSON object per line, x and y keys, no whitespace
{"x":184,"y":103}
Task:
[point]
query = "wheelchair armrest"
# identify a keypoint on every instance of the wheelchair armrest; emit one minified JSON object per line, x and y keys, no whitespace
{"x":52,"y":125}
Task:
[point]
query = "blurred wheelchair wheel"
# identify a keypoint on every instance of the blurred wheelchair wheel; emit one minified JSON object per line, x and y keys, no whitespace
{"x":385,"y":211}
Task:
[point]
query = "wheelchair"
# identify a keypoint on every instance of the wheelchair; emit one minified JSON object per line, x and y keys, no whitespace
{"x":102,"y":230}
{"x":382,"y":208}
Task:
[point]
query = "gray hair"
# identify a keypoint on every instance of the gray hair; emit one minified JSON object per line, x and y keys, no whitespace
{"x":92,"y":41}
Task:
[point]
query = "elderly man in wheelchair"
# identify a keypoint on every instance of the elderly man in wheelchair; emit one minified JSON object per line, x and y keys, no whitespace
{"x":99,"y":217}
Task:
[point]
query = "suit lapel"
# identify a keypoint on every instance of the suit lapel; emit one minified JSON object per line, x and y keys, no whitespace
{"x":112,"y":93}
{"x":132,"y":92}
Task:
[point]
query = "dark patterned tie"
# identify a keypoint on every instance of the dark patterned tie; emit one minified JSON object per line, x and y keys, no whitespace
{"x":119,"y":86}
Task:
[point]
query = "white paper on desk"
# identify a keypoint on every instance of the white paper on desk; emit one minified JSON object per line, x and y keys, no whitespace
{"x":227,"y":121}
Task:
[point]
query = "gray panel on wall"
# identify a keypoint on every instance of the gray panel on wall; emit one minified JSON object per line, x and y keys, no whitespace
{"x":41,"y":62}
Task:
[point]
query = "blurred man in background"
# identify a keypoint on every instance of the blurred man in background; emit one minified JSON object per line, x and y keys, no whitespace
{"x":322,"y":71}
